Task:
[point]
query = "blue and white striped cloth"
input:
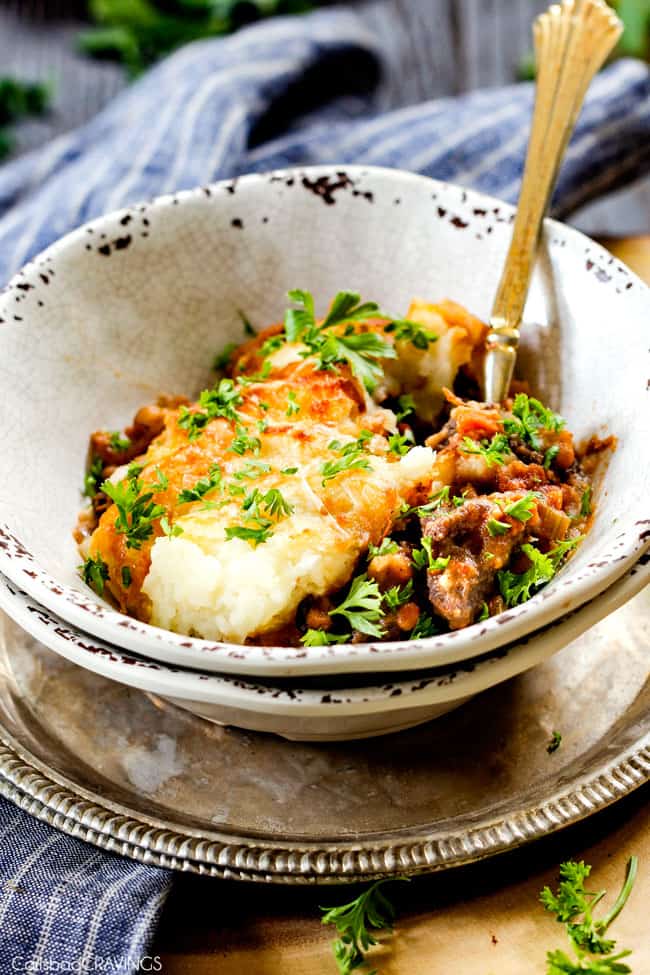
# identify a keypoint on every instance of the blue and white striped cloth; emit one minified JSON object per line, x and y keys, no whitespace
{"x":287,"y":92}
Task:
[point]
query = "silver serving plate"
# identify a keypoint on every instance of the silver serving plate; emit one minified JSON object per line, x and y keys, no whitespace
{"x":135,"y":775}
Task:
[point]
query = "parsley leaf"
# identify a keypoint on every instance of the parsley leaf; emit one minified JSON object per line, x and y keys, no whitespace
{"x":293,"y":407}
{"x":321,"y":638}
{"x":171,"y":531}
{"x":494,"y":451}
{"x":221,"y":401}
{"x":529,"y":416}
{"x":355,"y":923}
{"x":401,"y":443}
{"x":573,"y":906}
{"x":396,"y":596}
{"x":387,"y":547}
{"x":423,"y":558}
{"x":242,"y":442}
{"x":299,"y":320}
{"x":117,"y":441}
{"x":126,"y":576}
{"x":136,"y":510}
{"x":92,"y":477}
{"x":202,"y":487}
{"x":496,"y":527}
{"x":257,"y":532}
{"x":585,"y":503}
{"x":362,"y":606}
{"x":352,"y":457}
{"x":522,"y":509}
{"x":406,"y":407}
{"x":484,"y":614}
{"x":412,"y":332}
{"x":425,"y":627}
{"x":550,"y":455}
{"x":518,"y":587}
{"x":346,"y":307}
{"x":94,"y":573}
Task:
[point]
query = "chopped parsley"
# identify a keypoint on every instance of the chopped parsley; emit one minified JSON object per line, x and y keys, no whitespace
{"x":573,"y":906}
{"x":352,"y":457}
{"x":221,"y":401}
{"x":243,"y":442}
{"x":361,"y":608}
{"x":406,"y":407}
{"x":355,"y":923}
{"x":202,"y":486}
{"x":522,"y":509}
{"x":272,"y":345}
{"x":529,"y":416}
{"x":171,"y":531}
{"x":423,"y":558}
{"x":162,"y":481}
{"x":494,"y":451}
{"x":126,"y":576}
{"x":400,"y":443}
{"x":289,"y":470}
{"x":550,"y":455}
{"x":397,"y":596}
{"x":293,"y":406}
{"x":273,"y":502}
{"x":257,"y":532}
{"x":321,"y":638}
{"x":496,"y":527}
{"x":412,"y":332}
{"x":518,"y":587}
{"x":425,"y":627}
{"x":585,"y":503}
{"x":434,"y":503}
{"x":136,"y":510}
{"x":118,"y":442}
{"x":248,"y":328}
{"x":251,"y":470}
{"x":360,"y":350}
{"x":387,"y":547}
{"x":222,"y":359}
{"x":484,"y":614}
{"x":554,"y":742}
{"x":92,"y":477}
{"x":94,"y":573}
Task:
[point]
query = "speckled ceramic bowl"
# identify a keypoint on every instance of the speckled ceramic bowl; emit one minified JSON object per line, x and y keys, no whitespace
{"x":137,"y":303}
{"x":323,"y":709}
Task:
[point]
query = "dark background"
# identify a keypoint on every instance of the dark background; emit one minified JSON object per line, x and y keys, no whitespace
{"x":449,"y":46}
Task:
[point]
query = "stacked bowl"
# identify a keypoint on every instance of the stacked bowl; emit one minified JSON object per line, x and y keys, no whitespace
{"x":138,"y":302}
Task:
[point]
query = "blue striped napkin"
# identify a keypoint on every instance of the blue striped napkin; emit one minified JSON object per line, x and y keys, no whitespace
{"x":286,"y":92}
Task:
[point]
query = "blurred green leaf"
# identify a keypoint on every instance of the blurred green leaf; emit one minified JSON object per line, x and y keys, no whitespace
{"x":19,"y":99}
{"x":635,"y":15}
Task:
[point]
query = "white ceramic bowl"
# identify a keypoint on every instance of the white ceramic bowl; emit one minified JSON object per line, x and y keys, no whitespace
{"x":322,"y":711}
{"x":137,"y":303}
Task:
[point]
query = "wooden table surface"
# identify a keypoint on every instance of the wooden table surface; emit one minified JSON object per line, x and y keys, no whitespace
{"x":479,"y":920}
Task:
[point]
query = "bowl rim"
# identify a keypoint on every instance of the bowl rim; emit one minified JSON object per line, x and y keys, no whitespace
{"x":424,"y":688}
{"x":82,"y":608}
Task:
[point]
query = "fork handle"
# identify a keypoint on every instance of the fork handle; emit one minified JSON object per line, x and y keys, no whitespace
{"x":572,"y":41}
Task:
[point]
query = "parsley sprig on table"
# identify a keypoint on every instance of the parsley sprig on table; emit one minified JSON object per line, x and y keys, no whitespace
{"x":136,"y":509}
{"x":573,"y":906}
{"x":356,"y":923}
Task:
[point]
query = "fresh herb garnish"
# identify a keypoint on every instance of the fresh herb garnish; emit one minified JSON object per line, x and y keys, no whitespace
{"x":529,"y":416}
{"x":136,"y":510}
{"x":293,"y":406}
{"x":257,"y":532}
{"x":272,"y":345}
{"x":321,"y":638}
{"x":550,"y":455}
{"x":554,"y":742}
{"x":251,"y":470}
{"x":406,"y":407}
{"x":355,"y":923}
{"x":400,"y":443}
{"x":289,"y":470}
{"x":425,"y":627}
{"x":273,"y":502}
{"x":117,"y":441}
{"x":243,"y":442}
{"x":494,"y":451}
{"x":162,"y":481}
{"x":518,"y":587}
{"x":126,"y":576}
{"x":360,"y":350}
{"x":423,"y":558}
{"x":522,"y":509}
{"x":171,"y":531}
{"x":484,"y":614}
{"x":573,"y":906}
{"x":412,"y":332}
{"x":222,"y":359}
{"x":435,"y":502}
{"x":92,"y":478}
{"x":585,"y":503}
{"x":221,"y":401}
{"x":94,"y":572}
{"x":387,"y":547}
{"x":362,"y":606}
{"x":202,"y":486}
{"x":397,"y":596}
{"x":496,"y":527}
{"x":352,"y":457}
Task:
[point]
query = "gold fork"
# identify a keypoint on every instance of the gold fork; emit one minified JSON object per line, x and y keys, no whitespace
{"x":572,"y":40}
